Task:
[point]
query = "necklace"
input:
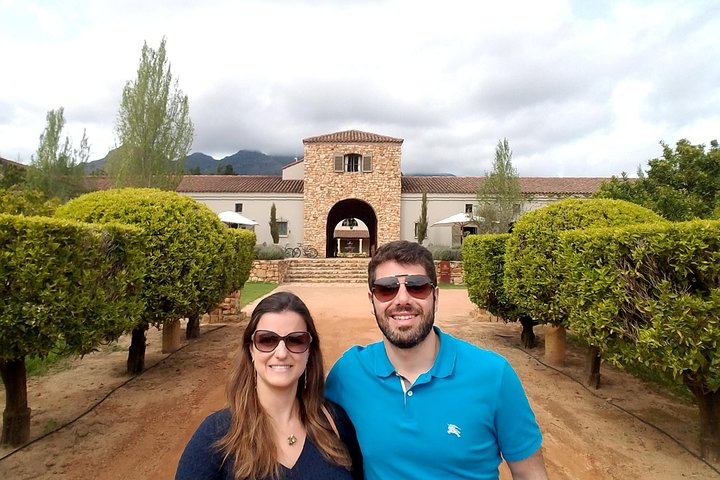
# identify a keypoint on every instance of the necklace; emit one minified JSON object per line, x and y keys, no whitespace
{"x":291,"y":439}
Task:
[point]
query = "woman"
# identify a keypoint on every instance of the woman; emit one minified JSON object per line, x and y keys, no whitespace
{"x":277,"y":424}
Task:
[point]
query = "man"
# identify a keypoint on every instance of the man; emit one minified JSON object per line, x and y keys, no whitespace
{"x":426,"y":405}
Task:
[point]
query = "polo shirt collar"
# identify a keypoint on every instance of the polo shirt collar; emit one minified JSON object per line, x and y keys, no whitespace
{"x":442,"y":367}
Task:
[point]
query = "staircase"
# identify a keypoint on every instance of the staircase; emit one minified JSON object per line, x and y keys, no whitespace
{"x":327,"y":270}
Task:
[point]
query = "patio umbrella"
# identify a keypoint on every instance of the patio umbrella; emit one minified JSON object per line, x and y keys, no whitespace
{"x":234,"y":217}
{"x":459,"y":219}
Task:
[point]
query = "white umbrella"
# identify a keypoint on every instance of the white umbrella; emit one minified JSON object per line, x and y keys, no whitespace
{"x":233,"y":217}
{"x":460,"y":219}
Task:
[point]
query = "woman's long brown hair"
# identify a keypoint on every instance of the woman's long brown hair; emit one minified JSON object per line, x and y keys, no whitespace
{"x":249,"y":441}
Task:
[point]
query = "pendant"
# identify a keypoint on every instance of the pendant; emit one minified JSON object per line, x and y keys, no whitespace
{"x":291,"y":439}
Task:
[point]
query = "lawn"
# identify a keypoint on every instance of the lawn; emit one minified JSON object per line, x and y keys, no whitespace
{"x":251,"y":291}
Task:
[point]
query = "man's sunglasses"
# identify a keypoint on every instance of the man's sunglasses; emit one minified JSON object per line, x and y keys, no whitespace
{"x":418,"y":286}
{"x":267,"y":341}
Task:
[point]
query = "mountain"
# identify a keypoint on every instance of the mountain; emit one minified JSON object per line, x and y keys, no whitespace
{"x":244,"y":162}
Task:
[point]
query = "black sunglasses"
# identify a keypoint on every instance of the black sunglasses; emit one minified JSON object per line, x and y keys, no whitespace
{"x":418,"y":286}
{"x":267,"y":341}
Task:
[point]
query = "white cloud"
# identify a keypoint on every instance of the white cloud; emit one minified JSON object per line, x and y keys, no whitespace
{"x":579,"y":88}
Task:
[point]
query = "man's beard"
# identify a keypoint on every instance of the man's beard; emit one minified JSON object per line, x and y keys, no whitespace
{"x":410,"y":337}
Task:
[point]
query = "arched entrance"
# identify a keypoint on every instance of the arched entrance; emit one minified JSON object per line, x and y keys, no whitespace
{"x":350,"y":208}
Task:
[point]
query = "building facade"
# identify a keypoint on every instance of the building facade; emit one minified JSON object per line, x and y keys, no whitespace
{"x":347,"y":196}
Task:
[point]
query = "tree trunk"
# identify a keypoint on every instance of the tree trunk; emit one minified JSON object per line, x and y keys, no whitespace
{"x":171,"y":336}
{"x":527,"y":337}
{"x":593,"y":367}
{"x":136,"y":355}
{"x":16,"y":417}
{"x":709,"y":404}
{"x":554,"y":345}
{"x":192,"y":330}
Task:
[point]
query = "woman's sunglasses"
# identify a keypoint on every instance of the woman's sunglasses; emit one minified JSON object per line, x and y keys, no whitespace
{"x":267,"y":341}
{"x":418,"y":286}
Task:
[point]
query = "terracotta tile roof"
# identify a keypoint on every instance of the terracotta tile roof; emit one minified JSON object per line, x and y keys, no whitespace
{"x":299,"y":160}
{"x":352,"y":136}
{"x":220,"y":183}
{"x":537,"y":185}
{"x":239,"y":184}
{"x":410,"y":184}
{"x":5,"y":161}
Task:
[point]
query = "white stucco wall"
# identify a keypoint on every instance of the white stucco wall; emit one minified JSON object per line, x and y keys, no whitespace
{"x":256,"y":206}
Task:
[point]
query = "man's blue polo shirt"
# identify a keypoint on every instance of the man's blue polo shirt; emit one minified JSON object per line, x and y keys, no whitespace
{"x":455,"y":421}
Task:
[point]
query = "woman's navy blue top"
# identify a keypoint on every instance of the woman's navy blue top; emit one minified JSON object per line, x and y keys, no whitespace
{"x":201,"y":461}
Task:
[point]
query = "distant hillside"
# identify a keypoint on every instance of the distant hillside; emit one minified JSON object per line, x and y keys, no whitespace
{"x":244,"y":162}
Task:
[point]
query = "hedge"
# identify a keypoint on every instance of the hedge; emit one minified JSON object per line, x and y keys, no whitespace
{"x":532,"y":278}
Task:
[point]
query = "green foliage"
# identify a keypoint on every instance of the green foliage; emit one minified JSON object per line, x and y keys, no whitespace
{"x":18,"y":201}
{"x":11,"y":175}
{"x":66,"y":284}
{"x":269,"y":252}
{"x":440,"y":252}
{"x":274,"y":232}
{"x":153,"y":127}
{"x":683,"y":184}
{"x":423,"y":220}
{"x":649,"y":295}
{"x":243,"y":248}
{"x":185,"y":246}
{"x":499,"y":195}
{"x":483,"y":272}
{"x":57,"y":169}
{"x":532,"y":276}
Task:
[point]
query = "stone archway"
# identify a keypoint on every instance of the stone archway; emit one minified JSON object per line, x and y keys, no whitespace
{"x":350,"y":208}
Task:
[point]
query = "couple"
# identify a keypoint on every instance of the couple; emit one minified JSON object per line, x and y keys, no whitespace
{"x":424,"y":404}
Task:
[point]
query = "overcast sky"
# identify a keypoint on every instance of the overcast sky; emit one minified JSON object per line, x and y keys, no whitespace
{"x":579,"y":88}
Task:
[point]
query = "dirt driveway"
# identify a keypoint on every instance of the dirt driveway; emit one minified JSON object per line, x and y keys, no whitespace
{"x":139,"y":426}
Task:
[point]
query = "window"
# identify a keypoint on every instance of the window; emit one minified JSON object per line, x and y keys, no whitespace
{"x":516,"y":209}
{"x":238,"y":208}
{"x":283,"y":229}
{"x":353,"y":162}
{"x":468,"y":208}
{"x":367,"y":163}
{"x":416,"y":229}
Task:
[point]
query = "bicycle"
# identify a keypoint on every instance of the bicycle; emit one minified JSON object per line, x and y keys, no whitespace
{"x":292,"y":252}
{"x":305,"y":251}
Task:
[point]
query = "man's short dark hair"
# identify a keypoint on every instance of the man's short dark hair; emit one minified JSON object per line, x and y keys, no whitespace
{"x":404,"y":253}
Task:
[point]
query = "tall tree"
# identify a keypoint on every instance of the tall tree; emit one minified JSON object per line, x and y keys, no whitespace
{"x":57,"y":169}
{"x":153,"y":128}
{"x":681,"y":185}
{"x":499,"y":197}
{"x":422,"y":223}
{"x":274,"y":229}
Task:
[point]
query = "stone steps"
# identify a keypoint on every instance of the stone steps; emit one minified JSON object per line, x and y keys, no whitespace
{"x":327,"y":270}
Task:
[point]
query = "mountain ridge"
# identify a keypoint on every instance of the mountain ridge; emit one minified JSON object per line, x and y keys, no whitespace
{"x":242,"y":162}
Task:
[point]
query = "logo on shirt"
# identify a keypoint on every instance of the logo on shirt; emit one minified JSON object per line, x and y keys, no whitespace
{"x":453,"y":430}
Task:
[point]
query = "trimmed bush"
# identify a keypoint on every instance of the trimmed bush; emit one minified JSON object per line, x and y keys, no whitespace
{"x":269,"y":252}
{"x":483,"y":269}
{"x":184,"y":252}
{"x":650,"y":294}
{"x":532,"y":277}
{"x":64,"y":284}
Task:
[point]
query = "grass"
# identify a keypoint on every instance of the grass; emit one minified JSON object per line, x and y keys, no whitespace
{"x":36,"y":366}
{"x":251,"y":291}
{"x":450,"y":286}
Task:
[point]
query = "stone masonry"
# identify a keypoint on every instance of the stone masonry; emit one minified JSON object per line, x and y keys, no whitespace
{"x":324,"y":187}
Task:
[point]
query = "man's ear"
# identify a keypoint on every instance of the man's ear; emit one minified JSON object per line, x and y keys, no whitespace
{"x":370,"y":297}
{"x":436,"y":292}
